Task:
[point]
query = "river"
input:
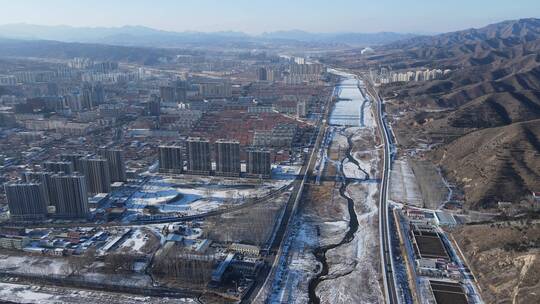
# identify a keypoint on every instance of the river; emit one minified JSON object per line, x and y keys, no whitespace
{"x":347,"y":112}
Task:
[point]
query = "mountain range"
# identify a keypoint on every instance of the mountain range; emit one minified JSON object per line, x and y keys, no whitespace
{"x":484,"y":115}
{"x":145,"y":36}
{"x":487,"y":109}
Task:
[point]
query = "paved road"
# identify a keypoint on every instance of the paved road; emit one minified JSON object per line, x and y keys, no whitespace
{"x":258,"y":294}
{"x":385,"y":237}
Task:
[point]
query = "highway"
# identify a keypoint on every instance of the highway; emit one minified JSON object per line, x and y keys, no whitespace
{"x":384,"y":228}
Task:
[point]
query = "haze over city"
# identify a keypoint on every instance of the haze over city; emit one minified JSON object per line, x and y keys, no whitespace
{"x":235,"y":152}
{"x":255,"y":17}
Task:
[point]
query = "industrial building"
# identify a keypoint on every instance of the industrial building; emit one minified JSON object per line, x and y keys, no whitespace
{"x":115,"y":160}
{"x":170,"y":159}
{"x":227,"y":155}
{"x":427,"y":243}
{"x":71,"y":197}
{"x":258,"y":163}
{"x":26,"y":201}
{"x":198,"y":153}
{"x":448,"y":292}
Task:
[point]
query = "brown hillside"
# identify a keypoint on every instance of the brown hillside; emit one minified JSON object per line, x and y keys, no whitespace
{"x":495,"y":164}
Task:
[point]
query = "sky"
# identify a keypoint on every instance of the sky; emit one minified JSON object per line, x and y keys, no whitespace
{"x":257,"y":16}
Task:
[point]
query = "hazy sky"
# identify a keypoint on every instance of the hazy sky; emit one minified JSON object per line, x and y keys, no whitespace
{"x":255,"y":16}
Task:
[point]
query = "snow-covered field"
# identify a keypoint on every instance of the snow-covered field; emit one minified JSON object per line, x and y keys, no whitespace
{"x":353,"y":274}
{"x":339,"y":142}
{"x":300,"y":265}
{"x":203,"y":195}
{"x":403,"y":185}
{"x":19,"y":293}
{"x":131,"y":280}
{"x":354,"y":267}
{"x":136,"y":242}
{"x":351,"y":170}
{"x":24,"y":294}
{"x":36,"y":265}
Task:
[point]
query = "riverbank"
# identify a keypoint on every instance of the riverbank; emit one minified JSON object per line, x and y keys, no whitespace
{"x":334,"y":251}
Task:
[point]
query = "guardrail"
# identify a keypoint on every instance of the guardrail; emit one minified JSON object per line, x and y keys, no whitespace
{"x":387,"y":263}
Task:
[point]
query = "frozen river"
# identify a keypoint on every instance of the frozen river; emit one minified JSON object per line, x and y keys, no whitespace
{"x":348,"y":110}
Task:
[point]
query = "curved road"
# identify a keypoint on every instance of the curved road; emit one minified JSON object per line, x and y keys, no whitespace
{"x":387,"y":263}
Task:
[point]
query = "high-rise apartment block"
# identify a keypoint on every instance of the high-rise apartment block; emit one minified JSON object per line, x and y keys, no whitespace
{"x":26,"y":201}
{"x":198,"y":153}
{"x":153,"y":106}
{"x":75,"y":159}
{"x":96,"y":172}
{"x":167,"y":93}
{"x":258,"y":163}
{"x":176,"y":92}
{"x":301,"y":109}
{"x":265,"y":74}
{"x":115,"y":161}
{"x":71,"y":195}
{"x":181,"y":88}
{"x":44,"y":180}
{"x":57,"y":167}
{"x":227,"y":155}
{"x":221,"y":89}
{"x":170,"y":159}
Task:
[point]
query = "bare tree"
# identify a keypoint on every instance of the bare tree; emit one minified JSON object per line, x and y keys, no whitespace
{"x":184,"y":266}
{"x":118,"y":262}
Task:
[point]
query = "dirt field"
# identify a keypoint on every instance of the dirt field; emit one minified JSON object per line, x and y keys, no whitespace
{"x":251,"y":225}
{"x":433,"y":190}
{"x":324,"y":201}
{"x":505,"y":258}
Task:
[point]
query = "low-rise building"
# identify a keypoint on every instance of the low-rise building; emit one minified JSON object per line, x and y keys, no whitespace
{"x":245,"y":249}
{"x":13,"y":242}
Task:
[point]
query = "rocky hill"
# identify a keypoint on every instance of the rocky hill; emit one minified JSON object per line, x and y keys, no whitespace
{"x":495,"y":164}
{"x":493,"y":44}
{"x":486,"y":113}
{"x":503,"y":257}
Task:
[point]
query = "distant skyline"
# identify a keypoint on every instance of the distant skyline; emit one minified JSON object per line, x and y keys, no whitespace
{"x":255,"y":17}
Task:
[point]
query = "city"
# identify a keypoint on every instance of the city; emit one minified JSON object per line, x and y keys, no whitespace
{"x":143,"y":165}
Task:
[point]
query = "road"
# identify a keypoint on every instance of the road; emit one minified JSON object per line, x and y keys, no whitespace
{"x":384,"y":228}
{"x":276,"y":249}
